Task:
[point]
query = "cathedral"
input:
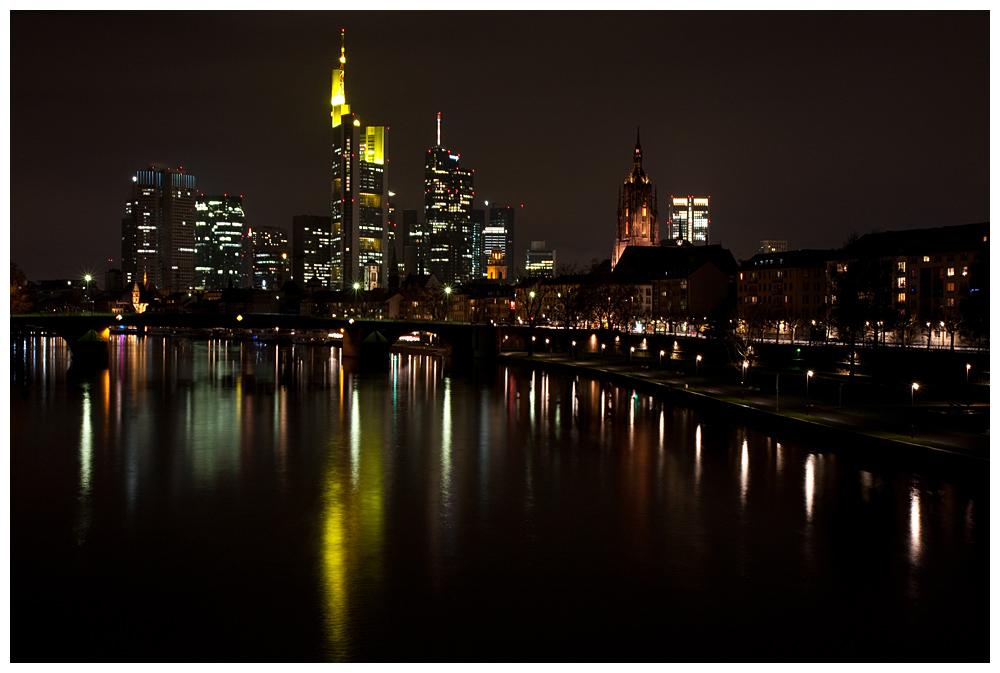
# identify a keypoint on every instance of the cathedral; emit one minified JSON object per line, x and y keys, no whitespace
{"x":637,"y":223}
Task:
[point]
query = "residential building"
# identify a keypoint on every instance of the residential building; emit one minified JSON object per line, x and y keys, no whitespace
{"x":786,"y":286}
{"x":773,"y":246}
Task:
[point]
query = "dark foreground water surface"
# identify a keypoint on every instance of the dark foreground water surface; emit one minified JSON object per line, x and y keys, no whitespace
{"x":212,"y":500}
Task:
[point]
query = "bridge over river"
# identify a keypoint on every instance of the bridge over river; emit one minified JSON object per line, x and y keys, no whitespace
{"x":368,"y":340}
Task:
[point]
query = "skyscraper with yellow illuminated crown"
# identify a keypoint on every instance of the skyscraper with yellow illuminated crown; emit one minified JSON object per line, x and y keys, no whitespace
{"x":359,"y":194}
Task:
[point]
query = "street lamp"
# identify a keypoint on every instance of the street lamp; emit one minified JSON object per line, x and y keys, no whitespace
{"x":967,"y":368}
{"x":743,"y":382}
{"x":89,"y":295}
{"x":447,"y":307}
{"x":661,"y":359}
{"x":697,"y":359}
{"x":913,"y":389}
{"x":809,"y":375}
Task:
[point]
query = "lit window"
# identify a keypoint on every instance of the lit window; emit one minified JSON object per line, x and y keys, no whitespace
{"x":951,"y":271}
{"x":951,"y":287}
{"x":927,"y":258}
{"x":901,"y":297}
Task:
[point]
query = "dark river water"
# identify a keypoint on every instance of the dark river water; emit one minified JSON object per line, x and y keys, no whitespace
{"x":226,"y":501}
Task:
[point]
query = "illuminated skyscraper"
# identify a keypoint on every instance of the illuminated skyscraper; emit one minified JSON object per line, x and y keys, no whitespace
{"x":219,"y":242}
{"x":499,"y":233}
{"x":689,"y":219}
{"x":637,"y":223}
{"x":158,"y":231}
{"x":540,"y":261}
{"x":360,"y":193}
{"x":312,"y":249}
{"x":268,"y":250}
{"x":448,"y":213}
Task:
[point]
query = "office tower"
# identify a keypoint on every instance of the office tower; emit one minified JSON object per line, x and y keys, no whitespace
{"x":637,"y":224}
{"x":540,"y":262}
{"x":447,"y":213}
{"x":360,"y":193}
{"x":312,"y":249}
{"x":477,"y":220}
{"x":773,"y":246}
{"x":219,"y":242}
{"x":158,"y":234}
{"x":270,"y":255}
{"x":499,"y":234}
{"x":689,"y":219}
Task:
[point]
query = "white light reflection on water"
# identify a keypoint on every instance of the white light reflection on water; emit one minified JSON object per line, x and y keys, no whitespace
{"x":697,"y":458}
{"x":867,"y":482}
{"x":446,"y":449}
{"x":810,"y":485}
{"x":355,"y":436}
{"x":744,"y":472}
{"x":86,"y":447}
{"x":914,"y":524}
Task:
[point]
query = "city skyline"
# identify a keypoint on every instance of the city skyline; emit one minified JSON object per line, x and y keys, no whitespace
{"x":803,"y":127}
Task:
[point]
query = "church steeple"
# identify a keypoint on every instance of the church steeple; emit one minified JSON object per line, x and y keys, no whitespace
{"x":638,"y":150}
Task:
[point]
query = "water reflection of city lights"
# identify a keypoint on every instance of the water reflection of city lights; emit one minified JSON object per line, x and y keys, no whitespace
{"x":914,"y":524}
{"x":744,"y":471}
{"x":810,"y":485}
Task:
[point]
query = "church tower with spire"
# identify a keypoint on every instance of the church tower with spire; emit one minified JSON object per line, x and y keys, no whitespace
{"x":637,"y":224}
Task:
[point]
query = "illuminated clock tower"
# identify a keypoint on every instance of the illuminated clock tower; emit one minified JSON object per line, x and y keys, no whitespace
{"x":637,"y":223}
{"x":359,"y":195}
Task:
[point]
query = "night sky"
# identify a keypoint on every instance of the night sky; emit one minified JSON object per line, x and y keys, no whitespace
{"x":801,"y":126}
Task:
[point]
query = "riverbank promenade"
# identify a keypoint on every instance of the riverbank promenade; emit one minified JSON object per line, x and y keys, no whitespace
{"x":939,"y":425}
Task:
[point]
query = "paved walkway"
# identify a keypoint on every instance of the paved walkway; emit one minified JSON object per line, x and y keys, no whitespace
{"x":936,"y":426}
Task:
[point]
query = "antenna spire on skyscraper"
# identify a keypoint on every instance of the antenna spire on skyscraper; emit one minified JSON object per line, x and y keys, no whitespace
{"x":439,"y":130}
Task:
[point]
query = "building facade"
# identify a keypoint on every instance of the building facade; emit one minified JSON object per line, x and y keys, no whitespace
{"x":360,"y":193}
{"x":448,"y":194}
{"x":786,"y":286}
{"x":158,"y":230}
{"x":540,"y":261}
{"x":271,"y":257}
{"x":312,"y":249}
{"x":637,"y":215}
{"x":690,"y":217}
{"x":220,"y":242}
{"x":498,"y":234}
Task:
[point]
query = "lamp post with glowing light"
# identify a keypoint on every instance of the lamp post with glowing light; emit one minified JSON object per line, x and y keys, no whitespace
{"x":809,"y":375}
{"x":89,"y":296}
{"x":447,"y":305}
{"x":661,"y":359}
{"x":697,"y":359}
{"x":967,"y":368}
{"x":743,"y":381}
{"x":913,"y":389}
